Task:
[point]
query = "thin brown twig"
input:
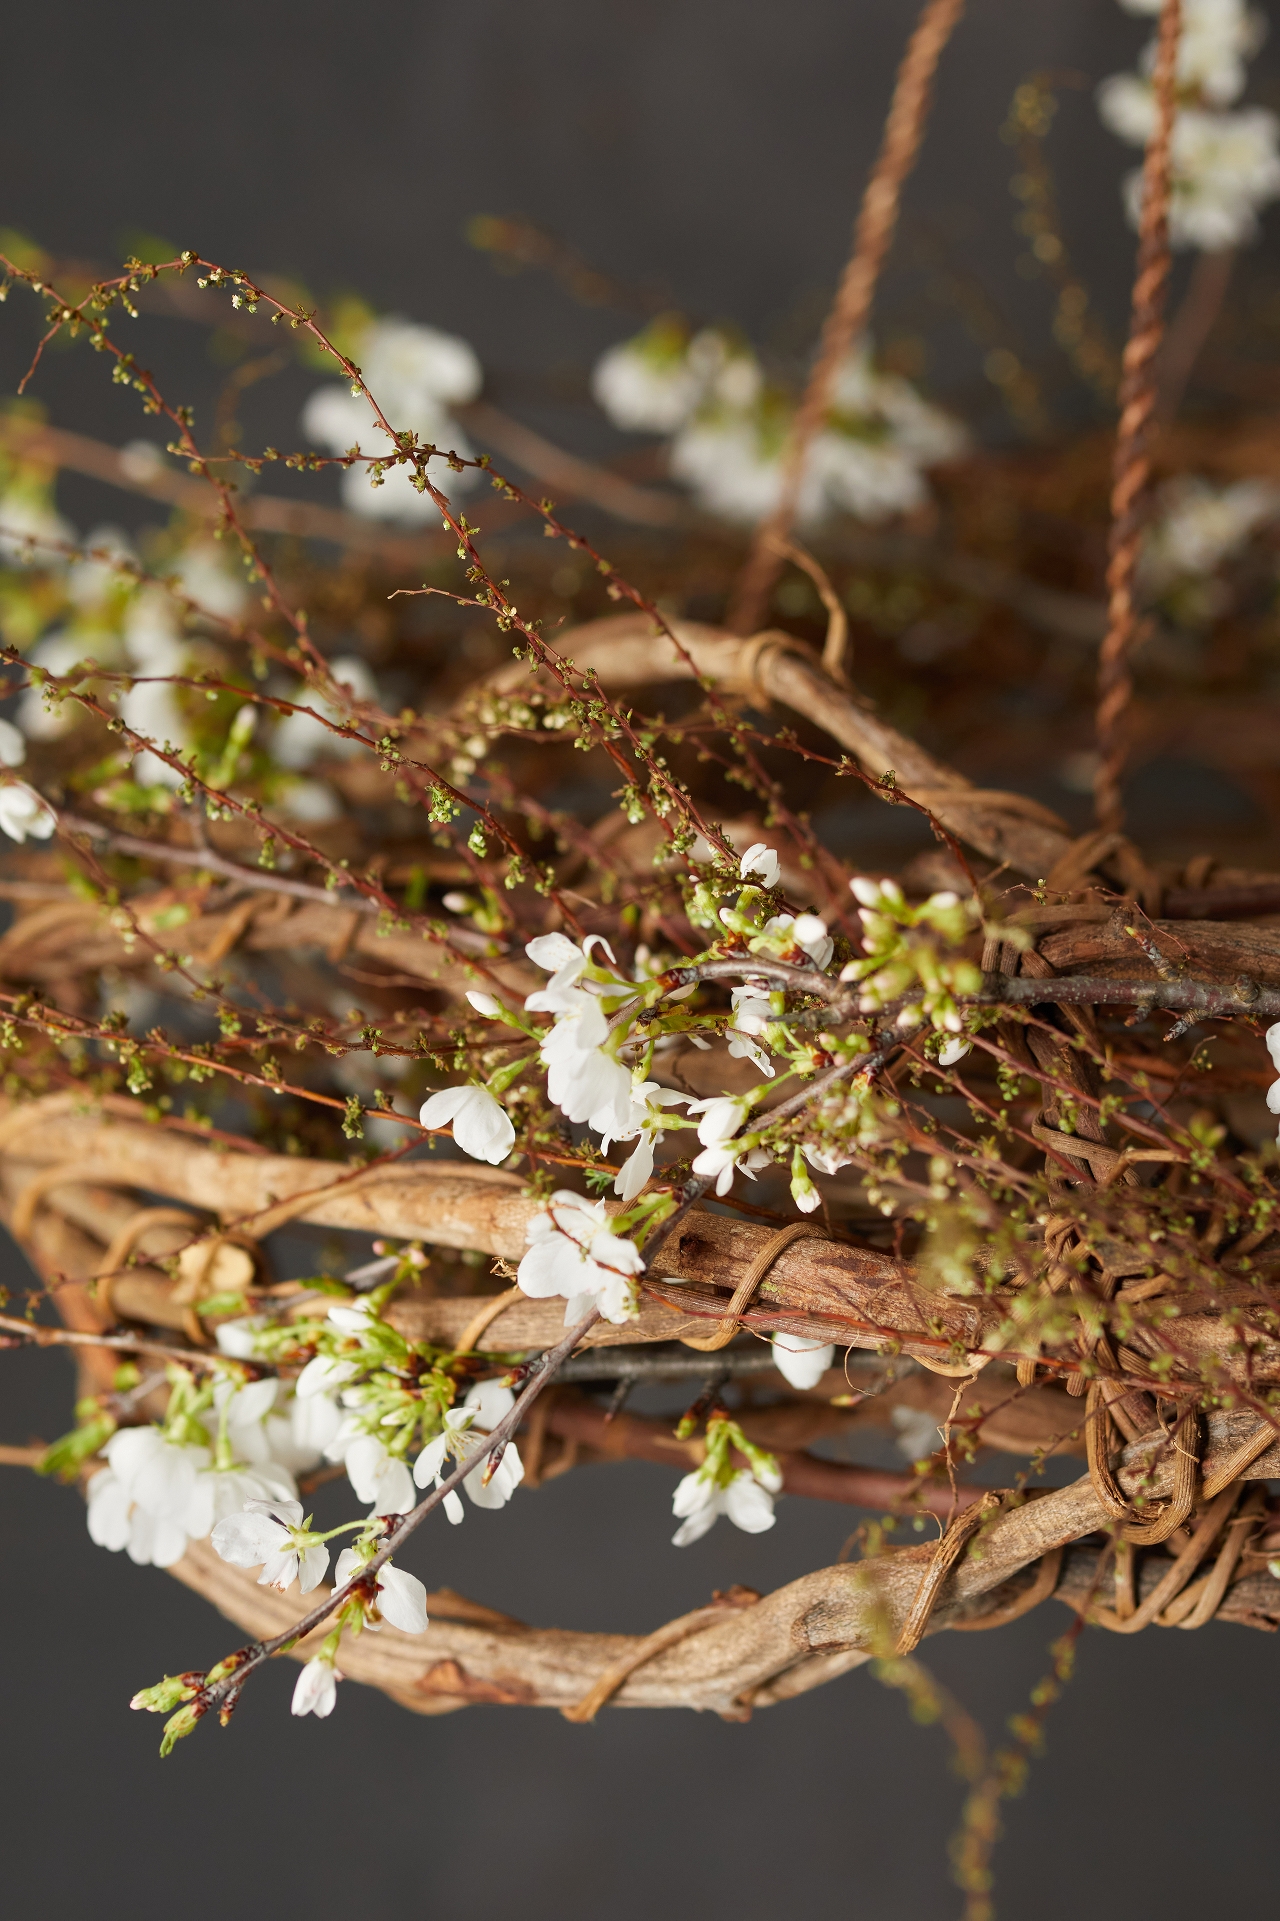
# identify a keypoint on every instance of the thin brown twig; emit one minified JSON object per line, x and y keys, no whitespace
{"x":41,"y":1336}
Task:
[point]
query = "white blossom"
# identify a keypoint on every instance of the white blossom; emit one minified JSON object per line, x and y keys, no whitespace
{"x":876,"y":895}
{"x":803,"y":1192}
{"x":416,"y":374}
{"x":299,"y":1430}
{"x":375,"y":1474}
{"x":827,"y":1160}
{"x":744,"y":1047}
{"x":1216,"y":38}
{"x":57,"y":653}
{"x":204,"y":576}
{"x":722,"y":1156}
{"x":323,"y":1374}
{"x":313,"y":803}
{"x":461,"y":1436}
{"x":918,"y":1433}
{"x":800,"y":1361}
{"x":760,"y":865}
{"x":646,"y":385}
{"x":220,"y":1492}
{"x":451,"y":1442}
{"x":733,"y":469}
{"x":584,"y":1079}
{"x":402,"y":1599}
{"x":92,"y":580}
{"x":1225,"y":164}
{"x":268,"y":1534}
{"x":658,"y":380}
{"x":723,"y":1160}
{"x":23,"y":814}
{"x":239,"y":1338}
{"x":157,"y":1473}
{"x":487,"y":1004}
{"x":574,"y":1252}
{"x":116,"y":1521}
{"x":867,"y":459}
{"x":150,"y":708}
{"x":807,"y":932}
{"x":952,"y":1051}
{"x":722,"y":1116}
{"x":353,"y":1317}
{"x":316,"y":1689}
{"x":700,"y":1499}
{"x":27,"y":524}
{"x":648,"y":1100}
{"x":1198,"y":525}
{"x":481,"y":1125}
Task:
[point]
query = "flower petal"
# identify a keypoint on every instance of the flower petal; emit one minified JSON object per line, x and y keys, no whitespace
{"x":247,"y":1540}
{"x":402,"y":1600}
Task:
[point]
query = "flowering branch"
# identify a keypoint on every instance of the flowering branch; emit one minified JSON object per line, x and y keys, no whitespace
{"x":224,"y":1692}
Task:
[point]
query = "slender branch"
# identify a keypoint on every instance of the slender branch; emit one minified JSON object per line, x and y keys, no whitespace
{"x":1213,"y":999}
{"x":223,"y":1692}
{"x":40,"y":1336}
{"x":804,"y":980}
{"x":690,"y":1194}
{"x":1209,"y":998}
{"x":218,"y":864}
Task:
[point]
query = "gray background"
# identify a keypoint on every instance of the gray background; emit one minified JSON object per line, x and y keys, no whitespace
{"x":714,"y":151}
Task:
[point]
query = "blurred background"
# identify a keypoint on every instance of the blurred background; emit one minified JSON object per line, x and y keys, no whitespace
{"x":706,"y":158}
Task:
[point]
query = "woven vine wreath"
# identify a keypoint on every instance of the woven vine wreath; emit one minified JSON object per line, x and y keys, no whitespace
{"x":1004,"y":1189}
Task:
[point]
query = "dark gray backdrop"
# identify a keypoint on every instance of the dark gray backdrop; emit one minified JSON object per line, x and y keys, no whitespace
{"x":715,"y":149}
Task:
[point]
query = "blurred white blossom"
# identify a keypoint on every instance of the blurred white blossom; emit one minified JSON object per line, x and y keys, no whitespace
{"x":23,"y":814}
{"x":416,"y":374}
{"x":730,"y":427}
{"x":1197,"y":525}
{"x":300,"y":738}
{"x":1225,"y":161}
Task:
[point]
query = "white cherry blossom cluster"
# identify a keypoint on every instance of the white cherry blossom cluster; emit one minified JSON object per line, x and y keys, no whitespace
{"x":1225,"y":159}
{"x":730,"y":426}
{"x":92,"y":607}
{"x":912,"y":958}
{"x":744,"y":1495}
{"x":272,"y":1534}
{"x":598,"y":1052}
{"x":418,"y":374}
{"x":163,"y":1486}
{"x":363,"y":1417}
